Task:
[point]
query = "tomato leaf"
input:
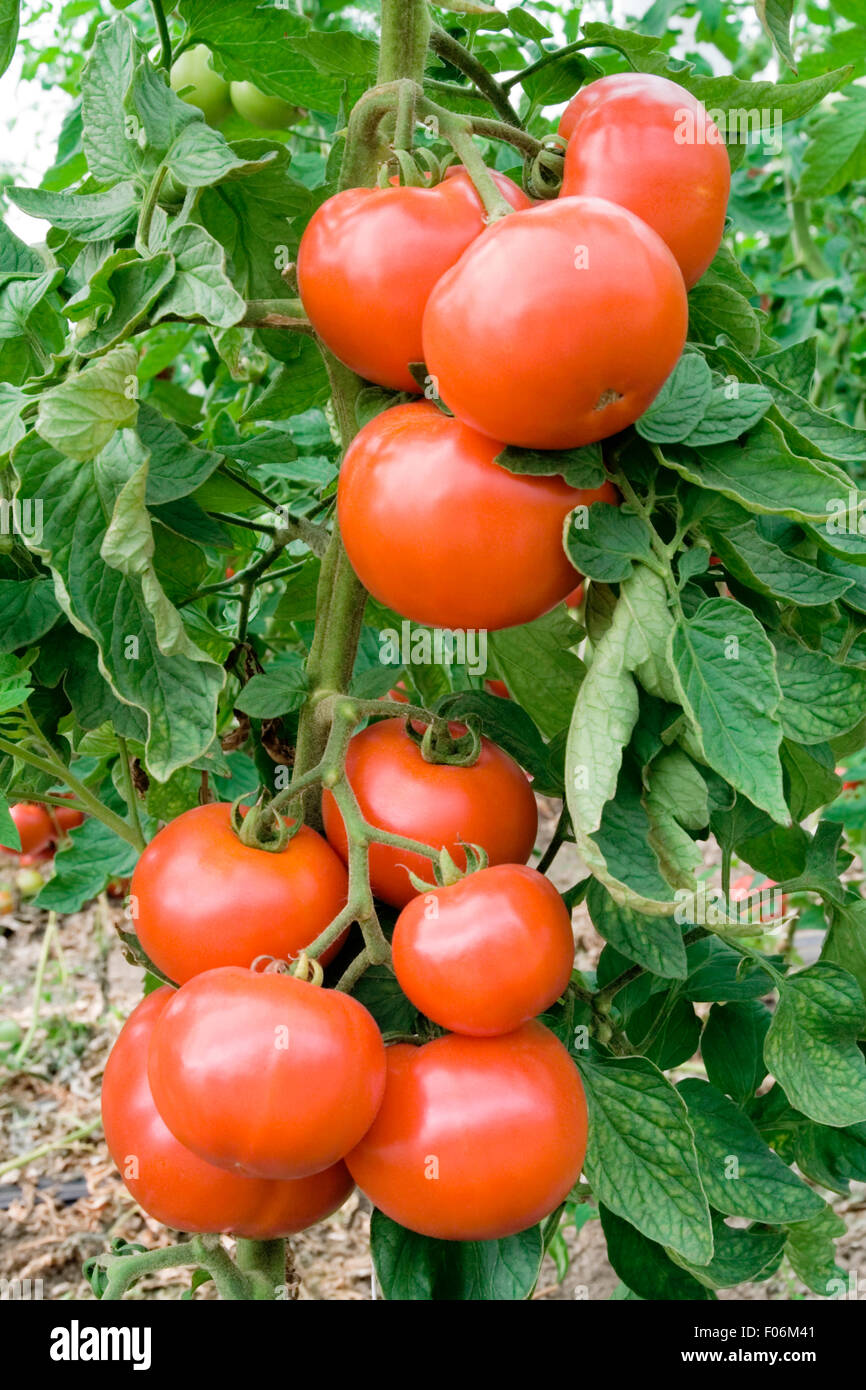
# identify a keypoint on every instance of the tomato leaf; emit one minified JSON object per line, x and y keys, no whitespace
{"x":811,"y":1047}
{"x":641,"y":1160}
{"x":414,"y":1267}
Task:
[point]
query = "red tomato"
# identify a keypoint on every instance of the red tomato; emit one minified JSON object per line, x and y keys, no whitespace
{"x":575,"y":598}
{"x":369,"y":258}
{"x":490,"y":804}
{"x":765,"y":904}
{"x":646,"y":143}
{"x":477,"y":1138}
{"x":170,"y":1182}
{"x":265,"y":1074}
{"x":558,"y":327}
{"x":66,"y":817}
{"x":399,"y":694}
{"x":34,"y":827}
{"x":201,"y":899}
{"x":485,"y":954}
{"x":438,"y":531}
{"x":497,"y":687}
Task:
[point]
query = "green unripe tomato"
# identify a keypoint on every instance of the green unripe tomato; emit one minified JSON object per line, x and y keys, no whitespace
{"x":210,"y":92}
{"x":10,"y":1034}
{"x":270,"y":113}
{"x":28,"y":882}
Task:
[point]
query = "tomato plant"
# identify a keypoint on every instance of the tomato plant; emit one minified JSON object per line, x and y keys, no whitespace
{"x":411,"y":359}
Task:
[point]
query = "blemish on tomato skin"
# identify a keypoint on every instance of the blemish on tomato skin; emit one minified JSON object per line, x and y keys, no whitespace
{"x":609,"y":397}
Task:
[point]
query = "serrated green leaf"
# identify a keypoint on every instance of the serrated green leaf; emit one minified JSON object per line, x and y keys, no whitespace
{"x":811,"y":1046}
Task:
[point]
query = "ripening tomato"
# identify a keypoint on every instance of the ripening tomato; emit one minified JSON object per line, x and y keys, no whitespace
{"x":208,"y":91}
{"x":489,"y":804}
{"x":477,"y":1138}
{"x":369,"y":258}
{"x":201,"y":898}
{"x":575,"y":598}
{"x":487,"y":953}
{"x":170,"y":1182}
{"x":647,"y":144}
{"x":34,"y":827}
{"x":265,"y":1074}
{"x":66,"y":817}
{"x":260,"y":109}
{"x":558,"y":326}
{"x":437,"y":530}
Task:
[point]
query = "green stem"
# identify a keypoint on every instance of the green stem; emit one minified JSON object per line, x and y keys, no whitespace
{"x":520,"y":77}
{"x":59,"y":772}
{"x":44,"y":953}
{"x":264,"y":1263}
{"x":142,"y":235}
{"x":129,"y":793}
{"x":457,"y":130}
{"x":276,"y":313}
{"x":404,"y":128}
{"x":459,"y":57}
{"x":498,"y":130}
{"x":801,"y":234}
{"x":164,"y":36}
{"x":405,"y":35}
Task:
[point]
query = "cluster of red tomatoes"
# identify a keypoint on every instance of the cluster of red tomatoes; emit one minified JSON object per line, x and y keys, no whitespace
{"x":39,"y":829}
{"x":250,"y":1101}
{"x":551,"y":329}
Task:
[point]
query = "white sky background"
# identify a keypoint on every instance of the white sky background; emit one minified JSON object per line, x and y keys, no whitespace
{"x":31,"y":115}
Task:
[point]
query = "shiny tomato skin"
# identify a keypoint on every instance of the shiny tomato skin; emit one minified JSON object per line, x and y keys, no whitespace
{"x":368,"y":260}
{"x":487,"y":953}
{"x":201,"y":899}
{"x":171,"y":1183}
{"x":34,"y":827}
{"x":264,"y":1074}
{"x":502,"y":1119}
{"x":575,"y":598}
{"x":437,"y":530}
{"x":558,"y":326}
{"x":647,"y":144}
{"x":490,"y":804}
